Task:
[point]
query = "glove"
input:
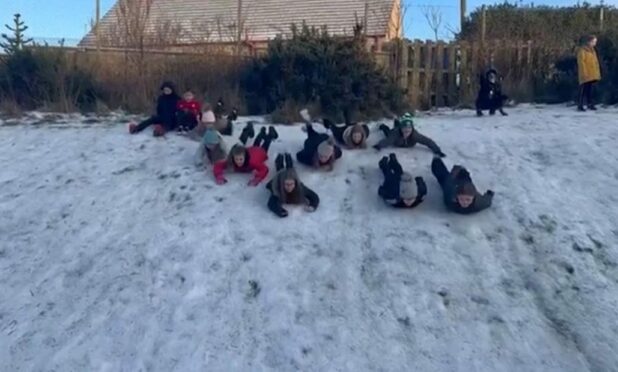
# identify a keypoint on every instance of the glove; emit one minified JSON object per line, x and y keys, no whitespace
{"x":254,"y":182}
{"x":221,"y":181}
{"x":441,"y":154}
{"x":377,"y":147}
{"x":309,"y":208}
{"x":490,"y":193}
{"x":283,"y":213}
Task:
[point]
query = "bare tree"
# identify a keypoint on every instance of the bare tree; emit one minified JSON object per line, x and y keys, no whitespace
{"x":433,"y":15}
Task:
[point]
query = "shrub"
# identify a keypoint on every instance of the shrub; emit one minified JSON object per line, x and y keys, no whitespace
{"x":45,"y":76}
{"x":337,"y":75}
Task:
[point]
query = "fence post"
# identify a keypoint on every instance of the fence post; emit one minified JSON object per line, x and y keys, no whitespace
{"x":439,"y":74}
{"x":413,"y":82}
{"x":429,"y":46}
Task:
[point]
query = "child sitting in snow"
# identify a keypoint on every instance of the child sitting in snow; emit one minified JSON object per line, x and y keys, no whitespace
{"x":165,"y":118}
{"x":286,"y":188}
{"x":211,"y":149}
{"x":460,"y":195}
{"x":399,"y":189}
{"x":189,"y":112}
{"x":248,"y":159}
{"x":404,"y":135}
{"x":490,"y":95}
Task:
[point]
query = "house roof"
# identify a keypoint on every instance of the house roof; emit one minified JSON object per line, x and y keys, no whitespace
{"x":209,"y":21}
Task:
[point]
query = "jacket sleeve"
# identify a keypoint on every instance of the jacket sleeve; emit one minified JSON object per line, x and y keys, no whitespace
{"x":424,"y":140}
{"x":260,"y":171}
{"x":312,"y":197}
{"x":274,"y":204}
{"x":219,"y":169}
{"x":483,"y":202}
{"x":421,"y":187}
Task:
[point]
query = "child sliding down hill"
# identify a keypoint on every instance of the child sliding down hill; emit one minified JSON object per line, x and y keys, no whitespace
{"x":460,"y":195}
{"x":248,"y":159}
{"x":404,"y":135}
{"x":399,"y":189}
{"x":286,"y":188}
{"x":319,"y":150}
{"x":211,"y":149}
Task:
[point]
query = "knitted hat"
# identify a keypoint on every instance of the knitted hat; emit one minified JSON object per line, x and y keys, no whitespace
{"x":211,"y":137}
{"x":407,"y":188}
{"x":466,"y":188}
{"x":407,"y":120}
{"x":326,"y":149}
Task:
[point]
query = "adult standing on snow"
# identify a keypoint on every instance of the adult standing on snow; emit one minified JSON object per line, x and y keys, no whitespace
{"x":588,"y":71}
{"x":460,"y":194}
{"x":165,"y":118}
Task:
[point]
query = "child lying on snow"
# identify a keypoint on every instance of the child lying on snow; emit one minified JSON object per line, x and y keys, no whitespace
{"x":211,"y":149}
{"x":319,"y":150}
{"x":404,"y":135}
{"x":286,"y":188}
{"x":165,"y":118}
{"x":351,"y":135}
{"x":460,"y":195}
{"x":398,"y":189}
{"x":248,"y":159}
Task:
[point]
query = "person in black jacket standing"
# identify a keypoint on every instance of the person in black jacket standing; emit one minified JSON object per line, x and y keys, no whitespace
{"x":490,"y":95}
{"x":399,"y":189}
{"x":165,"y":118}
{"x":286,"y":188}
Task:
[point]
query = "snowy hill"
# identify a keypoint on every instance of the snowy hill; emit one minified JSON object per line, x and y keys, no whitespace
{"x":117,"y":254}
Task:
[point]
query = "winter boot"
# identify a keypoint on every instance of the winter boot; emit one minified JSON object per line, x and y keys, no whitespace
{"x":272,"y":133}
{"x":247,"y":132}
{"x":132,"y":128}
{"x":289,"y":163}
{"x":158,"y":130}
{"x":279,"y":162}
{"x":383,"y":164}
{"x":503,"y":113}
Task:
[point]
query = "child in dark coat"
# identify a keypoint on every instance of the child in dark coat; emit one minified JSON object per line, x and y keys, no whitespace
{"x":319,"y":150}
{"x":404,"y":135}
{"x":460,"y":194}
{"x":399,"y":189}
{"x":286,"y":188}
{"x":490,"y":95}
{"x":248,"y":159}
{"x":165,"y":118}
{"x":351,"y":135}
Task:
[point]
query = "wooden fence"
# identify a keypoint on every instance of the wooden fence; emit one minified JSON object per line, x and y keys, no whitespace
{"x":447,"y":74}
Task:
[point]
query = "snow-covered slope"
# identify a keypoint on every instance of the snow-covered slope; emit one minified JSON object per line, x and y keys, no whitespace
{"x":117,"y":254}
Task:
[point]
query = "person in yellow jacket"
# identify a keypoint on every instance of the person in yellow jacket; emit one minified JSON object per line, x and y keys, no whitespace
{"x":588,"y":71}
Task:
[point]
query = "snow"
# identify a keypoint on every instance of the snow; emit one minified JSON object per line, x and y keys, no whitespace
{"x":117,"y":254}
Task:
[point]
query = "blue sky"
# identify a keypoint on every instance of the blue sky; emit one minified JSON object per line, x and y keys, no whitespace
{"x":69,"y":19}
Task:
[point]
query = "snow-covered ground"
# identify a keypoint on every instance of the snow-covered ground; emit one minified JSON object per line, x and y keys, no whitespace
{"x":117,"y":254}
